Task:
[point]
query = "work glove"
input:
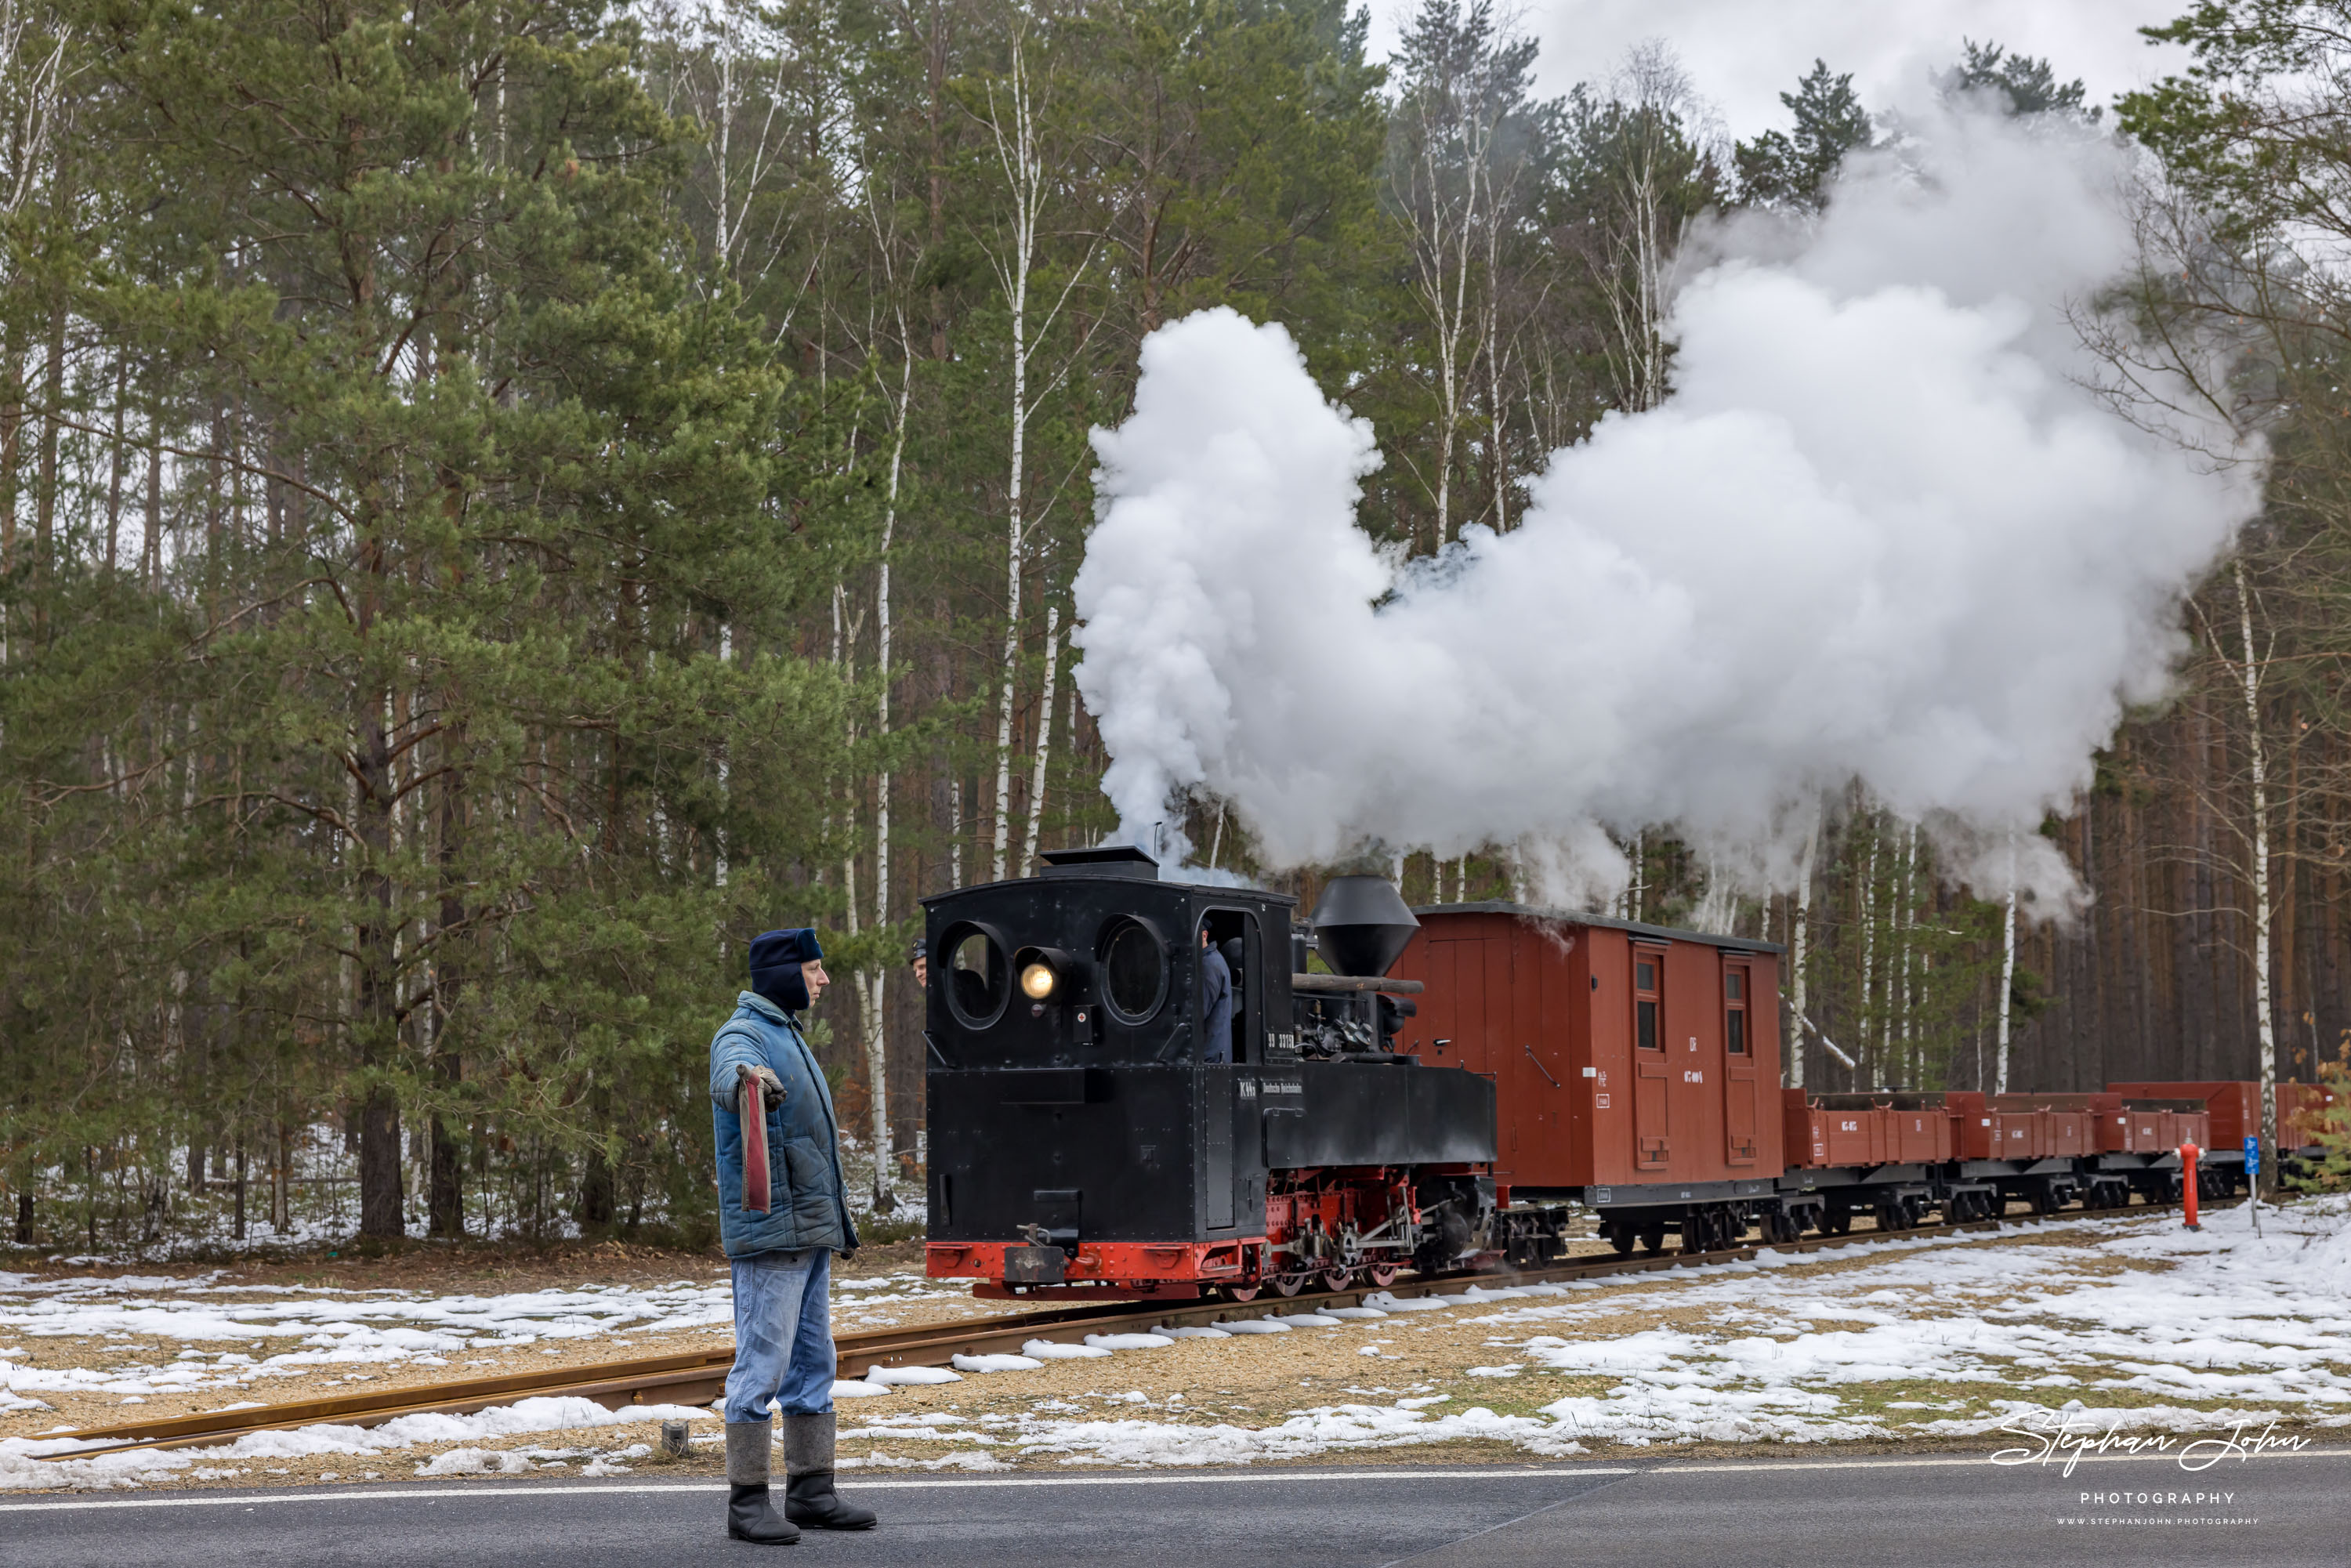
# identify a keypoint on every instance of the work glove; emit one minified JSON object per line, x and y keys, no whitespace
{"x":771,"y":1087}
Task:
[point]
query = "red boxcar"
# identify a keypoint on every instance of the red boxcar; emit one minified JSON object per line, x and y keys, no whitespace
{"x":1625,"y":1057}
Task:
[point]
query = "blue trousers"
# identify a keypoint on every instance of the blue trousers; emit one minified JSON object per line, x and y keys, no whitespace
{"x":783,"y":1335}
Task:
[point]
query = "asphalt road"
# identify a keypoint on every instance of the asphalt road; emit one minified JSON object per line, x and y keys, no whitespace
{"x":2276,"y":1511}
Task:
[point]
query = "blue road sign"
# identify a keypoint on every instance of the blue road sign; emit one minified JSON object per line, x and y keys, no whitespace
{"x":2253,"y":1156}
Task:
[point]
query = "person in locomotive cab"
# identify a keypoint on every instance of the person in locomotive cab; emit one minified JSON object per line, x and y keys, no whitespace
{"x":922,"y":962}
{"x":782,"y":1259}
{"x":1216,"y":1002}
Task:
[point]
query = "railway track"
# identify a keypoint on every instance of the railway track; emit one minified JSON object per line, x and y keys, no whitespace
{"x":698,"y":1377}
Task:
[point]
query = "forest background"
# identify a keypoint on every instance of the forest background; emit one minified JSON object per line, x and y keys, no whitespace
{"x":502,"y":501}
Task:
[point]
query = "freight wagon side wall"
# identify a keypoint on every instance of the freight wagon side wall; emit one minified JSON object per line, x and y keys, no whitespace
{"x":2235,"y":1107}
{"x":1505,"y":999}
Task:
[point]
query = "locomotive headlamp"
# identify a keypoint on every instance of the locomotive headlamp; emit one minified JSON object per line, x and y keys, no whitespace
{"x":1037,"y":980}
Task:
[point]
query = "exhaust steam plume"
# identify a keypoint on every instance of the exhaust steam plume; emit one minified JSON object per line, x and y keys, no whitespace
{"x":1879,"y":532}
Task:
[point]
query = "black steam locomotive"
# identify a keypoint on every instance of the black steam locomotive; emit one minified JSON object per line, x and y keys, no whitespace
{"x":1088,"y":1139}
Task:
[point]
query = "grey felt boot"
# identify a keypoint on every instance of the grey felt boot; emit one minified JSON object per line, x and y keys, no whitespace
{"x":809,"y":1497}
{"x":748,"y":1515}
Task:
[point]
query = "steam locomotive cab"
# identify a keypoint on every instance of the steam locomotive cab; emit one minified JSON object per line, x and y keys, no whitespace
{"x":1089,"y":1138}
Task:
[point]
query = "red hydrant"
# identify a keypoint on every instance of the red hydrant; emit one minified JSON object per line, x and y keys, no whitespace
{"x":2187,"y":1153}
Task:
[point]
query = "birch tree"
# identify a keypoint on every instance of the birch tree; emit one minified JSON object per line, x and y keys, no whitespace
{"x":1464,"y":151}
{"x":1800,"y":932}
{"x":2005,"y":998}
{"x":1014,"y":118}
{"x":1644,"y":162}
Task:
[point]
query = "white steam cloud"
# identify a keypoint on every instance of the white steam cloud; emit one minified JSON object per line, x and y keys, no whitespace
{"x":1879,"y":532}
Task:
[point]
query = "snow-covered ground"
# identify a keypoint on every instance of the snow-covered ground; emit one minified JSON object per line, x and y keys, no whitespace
{"x":234,"y":1336}
{"x":210,"y":1335}
{"x":2113,"y":1324}
{"x":2149,"y":1329}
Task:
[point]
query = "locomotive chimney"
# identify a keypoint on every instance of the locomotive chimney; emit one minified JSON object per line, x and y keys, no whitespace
{"x":1361,"y":925}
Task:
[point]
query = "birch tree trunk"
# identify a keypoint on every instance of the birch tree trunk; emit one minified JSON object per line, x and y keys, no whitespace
{"x":872,"y":987}
{"x":1045,"y":742}
{"x":1915,"y":1066}
{"x":1895,"y":1032}
{"x":1798,"y":939}
{"x":718,"y":866}
{"x":1859,"y":1039}
{"x":2265,"y":1021}
{"x":2007,"y":976}
{"x":1017,"y":154}
{"x":1453,"y":124}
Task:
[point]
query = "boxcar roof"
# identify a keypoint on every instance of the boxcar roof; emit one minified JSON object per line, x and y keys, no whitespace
{"x":1572,"y":917}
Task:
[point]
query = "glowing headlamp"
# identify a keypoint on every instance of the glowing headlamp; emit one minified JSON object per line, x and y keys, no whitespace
{"x":1038,"y":981}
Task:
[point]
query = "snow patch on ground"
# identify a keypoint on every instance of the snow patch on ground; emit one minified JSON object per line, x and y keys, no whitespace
{"x":1133,"y":1441}
{"x":2254,"y":1327}
{"x":906,"y":1376}
{"x":22,"y":1466}
{"x":2210,"y":1328}
{"x":1051,"y":1350}
{"x":234,"y":1336}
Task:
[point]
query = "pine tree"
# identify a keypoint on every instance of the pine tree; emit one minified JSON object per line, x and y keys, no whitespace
{"x":2023,"y":85}
{"x":450,"y":691}
{"x":1793,"y":169}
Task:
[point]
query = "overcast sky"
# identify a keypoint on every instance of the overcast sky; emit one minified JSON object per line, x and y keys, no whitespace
{"x":1742,"y":54}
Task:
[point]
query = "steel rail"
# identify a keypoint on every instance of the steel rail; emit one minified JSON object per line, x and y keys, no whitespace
{"x":697,"y":1376}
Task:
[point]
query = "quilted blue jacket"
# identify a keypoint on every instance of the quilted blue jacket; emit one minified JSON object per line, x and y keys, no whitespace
{"x":806,"y":1198}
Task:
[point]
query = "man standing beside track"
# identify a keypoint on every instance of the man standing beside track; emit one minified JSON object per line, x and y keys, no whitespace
{"x":782,"y":1254}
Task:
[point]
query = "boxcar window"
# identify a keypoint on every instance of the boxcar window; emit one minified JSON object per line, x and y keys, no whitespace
{"x":1645,"y":1003}
{"x":1135,"y":970}
{"x":976,"y":979}
{"x":1734,"y":1011}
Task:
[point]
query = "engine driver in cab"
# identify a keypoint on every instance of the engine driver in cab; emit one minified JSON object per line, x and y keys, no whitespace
{"x":1216,"y":1002}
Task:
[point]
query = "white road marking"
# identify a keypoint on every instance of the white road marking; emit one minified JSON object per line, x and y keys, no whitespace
{"x":942,"y":1483}
{"x":1703,"y":1467}
{"x":858,"y":1482}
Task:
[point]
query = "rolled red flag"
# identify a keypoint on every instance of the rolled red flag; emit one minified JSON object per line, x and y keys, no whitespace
{"x":751,"y":1104}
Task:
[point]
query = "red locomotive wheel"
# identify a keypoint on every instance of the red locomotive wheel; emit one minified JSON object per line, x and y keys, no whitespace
{"x":1287,"y":1284}
{"x":1381,"y":1274}
{"x":1242,"y":1292}
{"x":1337,"y":1279}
